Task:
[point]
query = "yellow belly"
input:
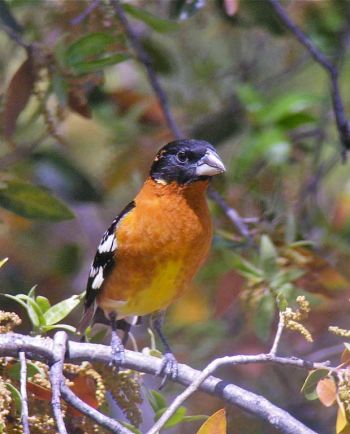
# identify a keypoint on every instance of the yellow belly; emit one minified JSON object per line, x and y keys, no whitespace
{"x":167,"y":285}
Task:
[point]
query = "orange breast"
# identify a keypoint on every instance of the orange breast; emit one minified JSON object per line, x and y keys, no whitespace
{"x":161,"y":244}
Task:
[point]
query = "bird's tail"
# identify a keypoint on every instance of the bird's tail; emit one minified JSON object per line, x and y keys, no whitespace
{"x":87,"y":319}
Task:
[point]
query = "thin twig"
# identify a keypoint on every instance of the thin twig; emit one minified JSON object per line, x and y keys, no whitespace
{"x":87,"y":11}
{"x":101,"y":419}
{"x":144,"y":59}
{"x":239,"y":222}
{"x":163,"y":101}
{"x":24,"y":397}
{"x":56,"y":378}
{"x":338,"y":106}
{"x":41,"y":349}
{"x":11,"y":26}
{"x":194,"y":386}
{"x":278,"y":335}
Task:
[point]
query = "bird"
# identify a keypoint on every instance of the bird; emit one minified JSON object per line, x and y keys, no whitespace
{"x":149,"y":255}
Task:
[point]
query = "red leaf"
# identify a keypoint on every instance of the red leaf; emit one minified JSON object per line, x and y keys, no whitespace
{"x":40,"y":392}
{"x":17,"y":95}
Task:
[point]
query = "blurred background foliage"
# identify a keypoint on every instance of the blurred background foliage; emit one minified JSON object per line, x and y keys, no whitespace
{"x":80,"y":127}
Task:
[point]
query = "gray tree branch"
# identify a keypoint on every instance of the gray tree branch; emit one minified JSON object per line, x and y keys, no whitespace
{"x":56,"y":378}
{"x":42,"y":349}
{"x":23,"y":387}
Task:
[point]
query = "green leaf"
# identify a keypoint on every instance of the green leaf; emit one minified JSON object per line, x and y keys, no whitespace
{"x":175,"y":419}
{"x":60,"y":310}
{"x":31,"y":292}
{"x":282,"y":302}
{"x":66,"y":327}
{"x":286,"y":105}
{"x":16,"y":396}
{"x":268,"y":255}
{"x":33,"y":310}
{"x":32,"y":369}
{"x":283,"y":277}
{"x":32,"y":202}
{"x":264,"y":316}
{"x":96,"y":65}
{"x":92,"y":44}
{"x":246,"y":268}
{"x":310,"y":384}
{"x":250,"y":98}
{"x":271,"y":144}
{"x":156,"y":23}
{"x":17,"y":300}
{"x":195,"y":418}
{"x":157,"y":401}
{"x":43,"y":303}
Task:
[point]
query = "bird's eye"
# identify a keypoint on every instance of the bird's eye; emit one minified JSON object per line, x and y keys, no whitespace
{"x":182,"y":157}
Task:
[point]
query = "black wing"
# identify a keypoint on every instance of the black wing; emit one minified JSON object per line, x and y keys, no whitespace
{"x":104,"y":259}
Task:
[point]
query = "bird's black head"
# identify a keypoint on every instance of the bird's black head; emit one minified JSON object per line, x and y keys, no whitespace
{"x":186,"y":161}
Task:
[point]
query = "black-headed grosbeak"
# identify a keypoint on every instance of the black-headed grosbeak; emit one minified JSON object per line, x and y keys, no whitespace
{"x":152,"y":250}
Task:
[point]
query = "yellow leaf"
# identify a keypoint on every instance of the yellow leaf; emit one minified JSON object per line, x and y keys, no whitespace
{"x":215,"y":424}
{"x":342,"y":426}
{"x":345,"y":357}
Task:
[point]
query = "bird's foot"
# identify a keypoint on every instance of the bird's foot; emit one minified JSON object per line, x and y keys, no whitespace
{"x":117,"y":351}
{"x":169,"y":368}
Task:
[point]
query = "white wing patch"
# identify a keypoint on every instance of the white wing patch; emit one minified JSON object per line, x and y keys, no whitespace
{"x":104,"y":260}
{"x":108,"y":243}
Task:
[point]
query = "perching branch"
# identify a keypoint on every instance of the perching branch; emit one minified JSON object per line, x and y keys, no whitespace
{"x":338,"y":106}
{"x":56,"y":378}
{"x":42,"y":349}
{"x":24,"y":397}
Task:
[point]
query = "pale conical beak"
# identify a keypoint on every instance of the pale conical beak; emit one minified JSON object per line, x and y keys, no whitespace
{"x":210,"y":165}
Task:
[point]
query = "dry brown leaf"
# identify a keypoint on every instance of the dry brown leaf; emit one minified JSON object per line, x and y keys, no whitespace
{"x":326,"y":390}
{"x":78,"y":102}
{"x":17,"y":95}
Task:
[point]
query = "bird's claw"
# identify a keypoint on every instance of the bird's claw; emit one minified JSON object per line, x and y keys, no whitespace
{"x":117,"y":352}
{"x":169,"y":368}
